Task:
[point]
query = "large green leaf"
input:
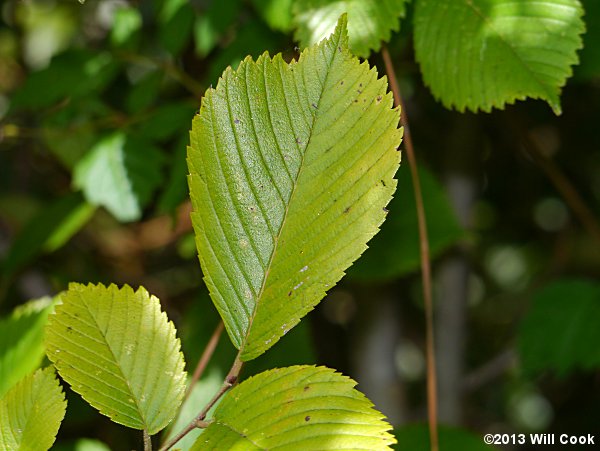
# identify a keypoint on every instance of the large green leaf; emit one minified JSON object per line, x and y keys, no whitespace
{"x":118,"y":350}
{"x":396,"y":250}
{"x":21,"y":341}
{"x":31,"y":412}
{"x":369,"y":22}
{"x":479,"y":54}
{"x":561,"y":331}
{"x":291,"y":167}
{"x":300,"y":408}
{"x":120,"y":173}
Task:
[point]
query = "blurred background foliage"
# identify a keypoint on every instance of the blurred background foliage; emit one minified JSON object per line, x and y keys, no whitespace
{"x":96,"y":101}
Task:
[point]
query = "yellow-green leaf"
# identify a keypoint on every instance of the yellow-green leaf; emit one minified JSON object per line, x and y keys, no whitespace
{"x":291,"y":167}
{"x":299,"y":408}
{"x":31,"y":412}
{"x":119,"y":352}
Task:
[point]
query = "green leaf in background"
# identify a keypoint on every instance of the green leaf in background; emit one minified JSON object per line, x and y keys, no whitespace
{"x":369,"y":22}
{"x":82,"y":444}
{"x":561,"y":331}
{"x":395,"y":250}
{"x":212,"y":23}
{"x":589,"y":68}
{"x":120,"y":173}
{"x":277,"y":13}
{"x":299,"y":408}
{"x":291,"y":168}
{"x":73,"y":74}
{"x":479,"y":54}
{"x":176,"y":20}
{"x":415,"y":437}
{"x":31,"y":412}
{"x":22,"y":341}
{"x":144,"y":91}
{"x":127,"y":21}
{"x":167,"y":121}
{"x":119,"y":352}
{"x":48,"y":230}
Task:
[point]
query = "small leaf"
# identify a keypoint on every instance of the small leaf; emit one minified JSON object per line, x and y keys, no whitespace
{"x":120,"y":173}
{"x":299,"y":408}
{"x":415,"y":437}
{"x":119,"y":352}
{"x":291,"y":167}
{"x":31,"y":412}
{"x":479,"y":54}
{"x":561,"y":331}
{"x":369,"y":22}
{"x":22,"y":342}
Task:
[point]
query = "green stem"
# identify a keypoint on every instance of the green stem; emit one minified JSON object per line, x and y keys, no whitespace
{"x":147,"y":441}
{"x":424,"y":248}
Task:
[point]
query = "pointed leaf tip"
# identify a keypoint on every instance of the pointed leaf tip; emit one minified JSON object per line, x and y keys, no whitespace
{"x":291,"y":166}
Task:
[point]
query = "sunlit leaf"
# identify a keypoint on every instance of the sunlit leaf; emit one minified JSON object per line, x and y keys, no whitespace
{"x":369,"y":22}
{"x":22,"y":342}
{"x":291,"y":167}
{"x":119,"y":352}
{"x":299,"y":408}
{"x":31,"y":412}
{"x":561,"y":331}
{"x":480,"y":54}
{"x":120,"y":173}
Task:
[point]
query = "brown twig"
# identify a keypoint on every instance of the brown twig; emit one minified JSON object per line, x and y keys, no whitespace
{"x":198,"y":421}
{"x":147,"y":441}
{"x":562,"y":184}
{"x":424,"y":248}
{"x":204,"y":359}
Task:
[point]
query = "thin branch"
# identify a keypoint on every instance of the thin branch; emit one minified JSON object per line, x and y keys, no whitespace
{"x":147,"y":441}
{"x":198,"y":421}
{"x":424,"y":248}
{"x":204,"y":359}
{"x":490,"y":371}
{"x":562,"y":184}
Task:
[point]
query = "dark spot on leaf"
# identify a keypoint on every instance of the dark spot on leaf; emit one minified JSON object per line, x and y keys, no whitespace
{"x":307,"y":418}
{"x":290,"y":293}
{"x":328,"y":149}
{"x":315,"y":106}
{"x":359,"y":91}
{"x":236,"y":121}
{"x":298,"y":141}
{"x":360,"y":85}
{"x":340,"y":49}
{"x":306,"y":388}
{"x":347,"y":210}
{"x":355,"y":100}
{"x":383,"y":183}
{"x":342,"y":82}
{"x":379,"y":99}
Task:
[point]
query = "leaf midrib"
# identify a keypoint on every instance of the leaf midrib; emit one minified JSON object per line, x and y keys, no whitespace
{"x":294,"y":188}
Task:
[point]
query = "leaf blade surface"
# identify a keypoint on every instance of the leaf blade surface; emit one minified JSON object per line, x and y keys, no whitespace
{"x":119,"y":352}
{"x":31,"y":412}
{"x":480,"y":54}
{"x":291,"y":167}
{"x":296,"y":408}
